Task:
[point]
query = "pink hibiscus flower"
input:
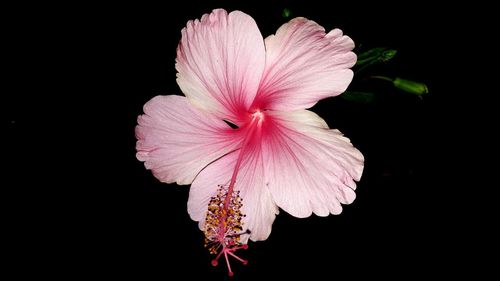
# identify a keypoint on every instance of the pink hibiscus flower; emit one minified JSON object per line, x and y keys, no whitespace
{"x":281,"y":155}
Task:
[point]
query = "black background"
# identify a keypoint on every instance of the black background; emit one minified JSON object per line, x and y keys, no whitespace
{"x":96,"y":212}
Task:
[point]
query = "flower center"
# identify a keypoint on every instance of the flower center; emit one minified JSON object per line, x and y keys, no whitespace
{"x":257,"y":116}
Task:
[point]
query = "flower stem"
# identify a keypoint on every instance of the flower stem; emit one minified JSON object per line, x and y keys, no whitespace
{"x":382,"y":78}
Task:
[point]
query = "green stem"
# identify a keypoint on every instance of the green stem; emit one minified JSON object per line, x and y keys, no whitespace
{"x":382,"y":78}
{"x":363,"y":67}
{"x":363,"y":61}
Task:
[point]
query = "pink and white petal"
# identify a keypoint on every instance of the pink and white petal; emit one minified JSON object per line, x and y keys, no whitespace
{"x":304,"y":65}
{"x":258,"y":206}
{"x":176,"y":141}
{"x":309,"y":168}
{"x":220,"y":61}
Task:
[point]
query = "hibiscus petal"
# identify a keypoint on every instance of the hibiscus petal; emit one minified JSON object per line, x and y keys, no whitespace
{"x":220,"y":61}
{"x":304,"y":65}
{"x":309,"y":168}
{"x":258,"y":206}
{"x":176,"y":140}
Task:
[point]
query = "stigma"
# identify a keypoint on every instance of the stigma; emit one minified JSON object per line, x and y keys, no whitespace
{"x":224,"y":227}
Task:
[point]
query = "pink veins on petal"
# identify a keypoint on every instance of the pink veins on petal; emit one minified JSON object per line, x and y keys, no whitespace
{"x":281,"y":155}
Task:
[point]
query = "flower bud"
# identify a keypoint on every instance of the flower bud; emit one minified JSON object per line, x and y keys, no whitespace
{"x":410,"y":86}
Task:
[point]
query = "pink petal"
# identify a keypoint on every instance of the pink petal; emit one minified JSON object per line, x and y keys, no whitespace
{"x":309,"y":168}
{"x":258,"y":206}
{"x":176,"y":140}
{"x":220,"y":61}
{"x":304,"y":65}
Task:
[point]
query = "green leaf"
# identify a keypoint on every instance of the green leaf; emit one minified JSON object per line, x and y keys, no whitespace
{"x":375,"y":55}
{"x":370,"y":54}
{"x":286,"y":13}
{"x":387,"y":55}
{"x":361,"y":97}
